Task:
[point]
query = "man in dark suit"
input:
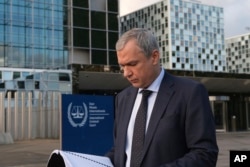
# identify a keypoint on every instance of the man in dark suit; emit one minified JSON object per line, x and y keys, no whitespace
{"x":180,"y":129}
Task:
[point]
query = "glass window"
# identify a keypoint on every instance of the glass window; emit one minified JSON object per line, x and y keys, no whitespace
{"x":64,"y":77}
{"x":112,"y":5}
{"x":98,"y":39}
{"x":113,"y":37}
{"x":112,"y":22}
{"x":24,"y":74}
{"x":37,"y":85}
{"x":21,"y":84}
{"x":7,"y":75}
{"x":16,"y":75}
{"x":80,"y":17}
{"x":81,"y":3}
{"x":79,"y":35}
{"x":98,"y":20}
{"x":98,"y":5}
{"x":37,"y":76}
{"x":113,"y":58}
{"x":99,"y":57}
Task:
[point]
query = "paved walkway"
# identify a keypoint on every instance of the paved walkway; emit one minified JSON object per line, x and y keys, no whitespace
{"x":29,"y":153}
{"x":35,"y":153}
{"x":231,"y":141}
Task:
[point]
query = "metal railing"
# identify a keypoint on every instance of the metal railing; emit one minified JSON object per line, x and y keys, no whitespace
{"x":28,"y":116}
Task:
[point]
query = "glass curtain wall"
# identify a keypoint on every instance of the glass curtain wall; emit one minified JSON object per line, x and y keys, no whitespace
{"x":95,"y":31}
{"x":32,"y":34}
{"x":53,"y":34}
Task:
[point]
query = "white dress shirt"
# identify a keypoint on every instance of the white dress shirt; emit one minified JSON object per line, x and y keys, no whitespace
{"x":154,"y":87}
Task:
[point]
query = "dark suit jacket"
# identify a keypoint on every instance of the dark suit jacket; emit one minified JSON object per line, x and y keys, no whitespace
{"x":181,"y":132}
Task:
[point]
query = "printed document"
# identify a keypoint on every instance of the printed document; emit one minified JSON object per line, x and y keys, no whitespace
{"x":74,"y":159}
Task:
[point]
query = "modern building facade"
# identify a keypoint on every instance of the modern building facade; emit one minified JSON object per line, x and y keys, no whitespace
{"x":238,"y":53}
{"x":92,"y":30}
{"x":35,"y":80}
{"x":54,"y":34}
{"x":40,"y":39}
{"x":191,"y":38}
{"x":31,"y":34}
{"x":190,"y":34}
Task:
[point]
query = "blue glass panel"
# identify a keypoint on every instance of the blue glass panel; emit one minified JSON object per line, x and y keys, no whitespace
{"x":7,"y":75}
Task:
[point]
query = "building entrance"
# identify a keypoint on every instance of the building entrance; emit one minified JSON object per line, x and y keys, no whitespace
{"x":219,"y":115}
{"x":219,"y":108}
{"x":248,"y":114}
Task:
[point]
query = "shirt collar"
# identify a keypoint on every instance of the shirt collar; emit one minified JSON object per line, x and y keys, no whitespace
{"x":156,"y":84}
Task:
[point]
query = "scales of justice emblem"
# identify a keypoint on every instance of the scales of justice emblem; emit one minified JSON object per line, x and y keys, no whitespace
{"x":77,"y":114}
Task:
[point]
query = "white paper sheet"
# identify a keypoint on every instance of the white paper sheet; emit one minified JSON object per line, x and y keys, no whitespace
{"x":74,"y":159}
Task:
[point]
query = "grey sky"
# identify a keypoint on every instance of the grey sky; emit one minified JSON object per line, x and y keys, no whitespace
{"x":236,"y":13}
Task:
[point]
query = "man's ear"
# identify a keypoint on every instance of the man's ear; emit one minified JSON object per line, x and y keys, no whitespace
{"x":155,"y":56}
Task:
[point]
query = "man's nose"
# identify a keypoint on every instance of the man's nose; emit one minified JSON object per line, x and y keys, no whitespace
{"x":126,"y":72}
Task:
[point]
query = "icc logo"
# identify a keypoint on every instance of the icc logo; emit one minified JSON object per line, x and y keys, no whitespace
{"x":77,"y":114}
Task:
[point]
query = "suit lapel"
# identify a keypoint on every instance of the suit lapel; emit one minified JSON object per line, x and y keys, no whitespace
{"x":126,"y":113}
{"x":164,"y":94}
{"x":127,"y":110}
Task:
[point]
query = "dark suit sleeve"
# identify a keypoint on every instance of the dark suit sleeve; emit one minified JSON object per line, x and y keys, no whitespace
{"x":199,"y":132}
{"x":110,"y":155}
{"x":111,"y":152}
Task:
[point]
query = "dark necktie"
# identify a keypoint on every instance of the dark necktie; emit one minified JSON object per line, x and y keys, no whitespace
{"x":139,"y":130}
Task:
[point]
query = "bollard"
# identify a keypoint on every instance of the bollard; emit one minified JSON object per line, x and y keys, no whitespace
{"x":233,"y":122}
